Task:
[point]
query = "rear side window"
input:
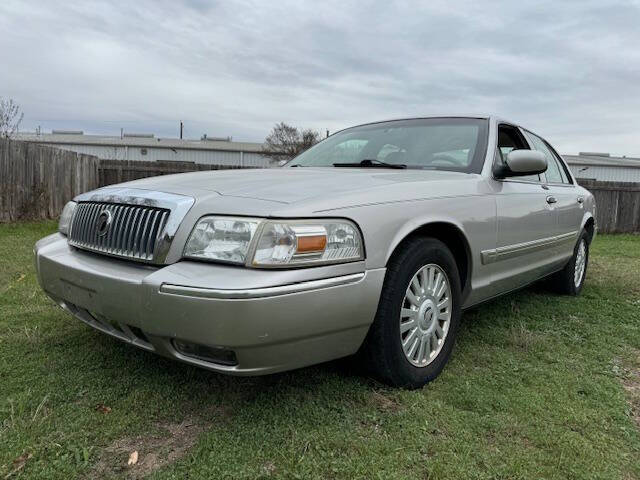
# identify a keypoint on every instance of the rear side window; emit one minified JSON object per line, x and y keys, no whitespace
{"x":564,"y":170}
{"x":555,"y":172}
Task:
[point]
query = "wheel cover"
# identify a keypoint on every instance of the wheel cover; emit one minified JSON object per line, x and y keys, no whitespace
{"x":425,"y":316}
{"x":581,"y":263}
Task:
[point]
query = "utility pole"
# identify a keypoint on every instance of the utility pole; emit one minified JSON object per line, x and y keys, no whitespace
{"x":181,"y":129}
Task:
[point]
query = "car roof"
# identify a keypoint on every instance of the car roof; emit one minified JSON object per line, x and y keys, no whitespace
{"x":492,"y":118}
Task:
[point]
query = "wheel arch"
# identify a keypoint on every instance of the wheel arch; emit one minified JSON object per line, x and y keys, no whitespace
{"x":449,"y":233}
{"x":589,"y":225}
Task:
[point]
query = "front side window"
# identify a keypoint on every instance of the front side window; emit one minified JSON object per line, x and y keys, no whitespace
{"x":510,"y":138}
{"x":456,"y":144}
{"x":555,"y":172}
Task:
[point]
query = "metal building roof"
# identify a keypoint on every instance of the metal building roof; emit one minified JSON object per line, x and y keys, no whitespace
{"x":139,"y":141}
{"x":603,"y":160}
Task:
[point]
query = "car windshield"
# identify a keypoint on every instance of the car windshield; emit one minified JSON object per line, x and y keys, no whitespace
{"x":456,"y":144}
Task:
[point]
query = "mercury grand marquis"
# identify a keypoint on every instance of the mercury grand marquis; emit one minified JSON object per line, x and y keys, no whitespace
{"x":372,"y":242}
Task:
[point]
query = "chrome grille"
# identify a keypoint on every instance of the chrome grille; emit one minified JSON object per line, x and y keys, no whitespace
{"x":133,"y":231}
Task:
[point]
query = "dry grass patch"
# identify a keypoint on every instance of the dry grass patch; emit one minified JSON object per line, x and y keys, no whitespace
{"x":384,"y":403}
{"x":137,"y":457}
{"x":521,"y":338}
{"x":631,"y":384}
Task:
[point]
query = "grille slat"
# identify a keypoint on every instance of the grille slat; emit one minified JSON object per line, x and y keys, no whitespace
{"x":84,"y":233}
{"x":145,"y":234}
{"x":107,"y":238}
{"x":134,"y":231}
{"x":118,"y":228}
{"x":109,"y":235}
{"x":113,"y":233}
{"x":92,"y":236}
{"x":75,"y":224}
{"x":127,"y":229}
{"x":151,"y":234}
{"x":94,"y":218}
{"x":125,"y":216}
{"x":164,"y":218}
{"x":78,"y":228}
{"x":140,"y":232}
{"x":135,"y":226}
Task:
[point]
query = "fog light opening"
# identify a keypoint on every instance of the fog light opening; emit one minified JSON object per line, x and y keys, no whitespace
{"x":220,"y":355}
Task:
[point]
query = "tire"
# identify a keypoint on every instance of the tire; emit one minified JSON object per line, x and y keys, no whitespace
{"x":569,"y":281}
{"x":419,"y":260}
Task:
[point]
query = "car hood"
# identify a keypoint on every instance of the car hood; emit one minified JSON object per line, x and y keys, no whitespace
{"x":294,"y":185}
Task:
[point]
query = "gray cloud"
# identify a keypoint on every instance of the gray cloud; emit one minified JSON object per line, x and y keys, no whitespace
{"x":568,"y":70}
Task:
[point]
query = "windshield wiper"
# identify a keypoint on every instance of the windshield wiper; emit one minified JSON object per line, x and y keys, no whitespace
{"x":371,"y":163}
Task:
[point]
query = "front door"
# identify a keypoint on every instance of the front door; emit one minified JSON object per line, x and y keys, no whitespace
{"x":526,"y":222}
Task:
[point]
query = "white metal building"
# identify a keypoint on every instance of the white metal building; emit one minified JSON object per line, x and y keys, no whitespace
{"x":604,"y":167}
{"x":142,"y":147}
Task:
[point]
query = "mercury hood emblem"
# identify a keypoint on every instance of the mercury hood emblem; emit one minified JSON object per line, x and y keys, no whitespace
{"x":103,"y":223}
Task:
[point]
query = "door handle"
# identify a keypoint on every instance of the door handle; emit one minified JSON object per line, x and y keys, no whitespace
{"x":551,"y":199}
{"x":580,"y":200}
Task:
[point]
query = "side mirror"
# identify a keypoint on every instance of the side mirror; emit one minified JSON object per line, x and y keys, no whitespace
{"x":520,"y":163}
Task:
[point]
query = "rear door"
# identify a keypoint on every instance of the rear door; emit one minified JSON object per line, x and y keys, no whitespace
{"x":566,"y":199}
{"x":526,"y":222}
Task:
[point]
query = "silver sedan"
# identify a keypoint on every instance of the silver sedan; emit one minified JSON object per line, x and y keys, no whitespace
{"x":372,"y":242}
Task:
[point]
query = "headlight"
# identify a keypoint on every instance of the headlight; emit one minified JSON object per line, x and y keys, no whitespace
{"x":307,"y":242}
{"x":275,"y":243}
{"x":223,"y":239}
{"x":65,"y":217}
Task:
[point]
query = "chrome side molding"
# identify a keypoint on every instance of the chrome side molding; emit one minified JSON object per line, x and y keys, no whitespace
{"x":518,"y":249}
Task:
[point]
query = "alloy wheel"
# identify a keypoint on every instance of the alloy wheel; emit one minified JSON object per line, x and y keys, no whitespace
{"x":426,"y":315}
{"x":581,"y":263}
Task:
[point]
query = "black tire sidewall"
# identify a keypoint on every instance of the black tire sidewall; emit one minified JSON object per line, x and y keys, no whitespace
{"x":417,"y":254}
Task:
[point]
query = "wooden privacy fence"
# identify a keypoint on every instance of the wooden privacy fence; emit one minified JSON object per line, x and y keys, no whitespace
{"x":617,"y":205}
{"x":36,"y":181}
{"x":118,"y":171}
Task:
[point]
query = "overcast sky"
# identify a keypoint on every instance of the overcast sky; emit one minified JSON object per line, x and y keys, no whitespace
{"x":569,"y":71}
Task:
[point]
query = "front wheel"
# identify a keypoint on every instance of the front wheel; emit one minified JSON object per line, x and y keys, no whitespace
{"x":415,"y":327}
{"x":570,"y":279}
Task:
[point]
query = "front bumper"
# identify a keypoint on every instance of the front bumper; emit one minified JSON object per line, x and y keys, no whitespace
{"x":271,"y":320}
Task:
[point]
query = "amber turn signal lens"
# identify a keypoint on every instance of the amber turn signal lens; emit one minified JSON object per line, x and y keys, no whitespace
{"x":311,"y":243}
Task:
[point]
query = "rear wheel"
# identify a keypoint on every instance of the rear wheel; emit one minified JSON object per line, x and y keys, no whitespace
{"x":416,"y":323}
{"x":570,"y":279}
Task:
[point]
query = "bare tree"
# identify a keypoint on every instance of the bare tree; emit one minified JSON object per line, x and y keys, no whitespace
{"x":285,"y":142}
{"x":10,"y":117}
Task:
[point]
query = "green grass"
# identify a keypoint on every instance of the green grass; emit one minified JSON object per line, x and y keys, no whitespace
{"x":534,"y":389}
